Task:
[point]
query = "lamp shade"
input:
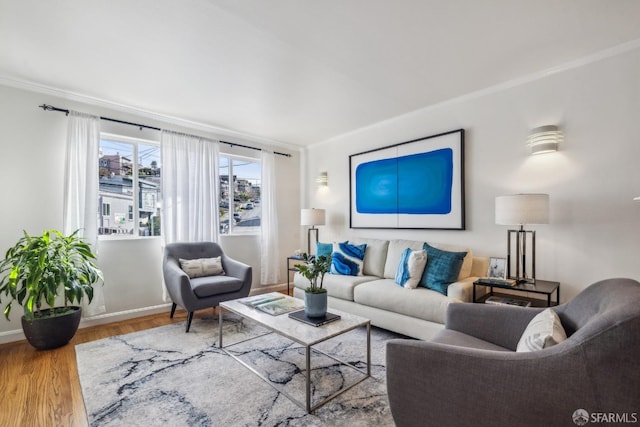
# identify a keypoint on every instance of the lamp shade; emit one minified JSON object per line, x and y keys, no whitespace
{"x":520,"y":209}
{"x":312,"y":217}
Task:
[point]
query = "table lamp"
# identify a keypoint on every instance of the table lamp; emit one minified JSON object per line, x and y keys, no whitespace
{"x":522,"y":209}
{"x":312,"y":217}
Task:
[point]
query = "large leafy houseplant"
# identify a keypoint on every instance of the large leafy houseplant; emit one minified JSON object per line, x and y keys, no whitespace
{"x":314,"y":268}
{"x":39,"y":271}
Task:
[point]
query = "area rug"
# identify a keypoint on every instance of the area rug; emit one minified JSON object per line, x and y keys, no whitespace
{"x":164,"y":376}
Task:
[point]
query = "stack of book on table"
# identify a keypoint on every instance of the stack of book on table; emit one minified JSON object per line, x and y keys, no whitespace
{"x":273,"y":303}
{"x":507,"y":301}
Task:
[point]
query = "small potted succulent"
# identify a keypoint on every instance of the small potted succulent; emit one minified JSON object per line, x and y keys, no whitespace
{"x":45,"y":270}
{"x":315,"y":296}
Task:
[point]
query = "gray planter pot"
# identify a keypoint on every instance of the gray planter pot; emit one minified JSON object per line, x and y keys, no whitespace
{"x":315,"y":305}
{"x":52,"y":332}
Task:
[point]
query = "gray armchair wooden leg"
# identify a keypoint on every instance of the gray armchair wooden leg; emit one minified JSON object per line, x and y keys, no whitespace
{"x":173,"y":310}
{"x":189,"y":319}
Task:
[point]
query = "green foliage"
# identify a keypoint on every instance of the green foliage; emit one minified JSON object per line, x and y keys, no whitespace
{"x":314,"y":268}
{"x":40,"y":268}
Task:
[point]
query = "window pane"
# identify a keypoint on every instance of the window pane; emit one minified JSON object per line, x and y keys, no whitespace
{"x":239,"y":201}
{"x":129,"y":191}
{"x":246,"y":196}
{"x":149,"y":173}
{"x":115,"y":193}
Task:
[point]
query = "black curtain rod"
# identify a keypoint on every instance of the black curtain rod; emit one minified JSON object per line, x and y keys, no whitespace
{"x":138,"y":125}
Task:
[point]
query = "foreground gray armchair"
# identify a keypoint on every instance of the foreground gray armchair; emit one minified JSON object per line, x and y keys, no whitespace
{"x":202,"y":292}
{"x":470,"y":374}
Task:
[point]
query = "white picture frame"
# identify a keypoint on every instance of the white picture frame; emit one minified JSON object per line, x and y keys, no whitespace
{"x":497,"y":268}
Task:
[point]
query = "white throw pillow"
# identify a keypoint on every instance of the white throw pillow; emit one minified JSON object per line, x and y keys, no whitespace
{"x":193,"y":267}
{"x":417,"y":262}
{"x":202,"y":267}
{"x":543,"y":331}
{"x":212,"y":266}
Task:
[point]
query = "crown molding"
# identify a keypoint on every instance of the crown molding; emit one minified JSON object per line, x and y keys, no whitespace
{"x":500,"y":87}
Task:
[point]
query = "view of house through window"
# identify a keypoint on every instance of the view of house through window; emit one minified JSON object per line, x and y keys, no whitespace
{"x":239,"y":202}
{"x":129,"y":190}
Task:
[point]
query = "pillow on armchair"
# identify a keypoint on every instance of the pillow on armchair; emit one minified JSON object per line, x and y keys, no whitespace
{"x":201,"y":267}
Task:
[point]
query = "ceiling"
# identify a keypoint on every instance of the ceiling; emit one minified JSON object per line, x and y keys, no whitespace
{"x":297,"y":71}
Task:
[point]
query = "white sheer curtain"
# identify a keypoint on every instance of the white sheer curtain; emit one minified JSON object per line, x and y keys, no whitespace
{"x":270,"y":257}
{"x":81,"y":189}
{"x":189,"y":188}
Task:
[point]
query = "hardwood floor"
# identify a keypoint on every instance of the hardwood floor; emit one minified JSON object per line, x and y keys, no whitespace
{"x":41,"y":388}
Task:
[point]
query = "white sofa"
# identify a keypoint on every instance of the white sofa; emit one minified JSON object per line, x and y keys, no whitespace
{"x":418,"y":313}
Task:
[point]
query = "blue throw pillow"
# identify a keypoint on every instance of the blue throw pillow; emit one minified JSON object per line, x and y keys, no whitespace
{"x":443,"y":268}
{"x":324,"y":249}
{"x":347,"y":259}
{"x":402,"y":273}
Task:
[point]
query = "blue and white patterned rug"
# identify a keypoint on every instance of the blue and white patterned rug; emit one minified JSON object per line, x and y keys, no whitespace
{"x":164,"y":376}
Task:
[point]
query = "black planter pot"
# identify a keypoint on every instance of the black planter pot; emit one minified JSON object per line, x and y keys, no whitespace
{"x":52,"y":332}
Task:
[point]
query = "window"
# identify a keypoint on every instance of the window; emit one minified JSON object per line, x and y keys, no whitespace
{"x":239,"y":203}
{"x":129,"y":191}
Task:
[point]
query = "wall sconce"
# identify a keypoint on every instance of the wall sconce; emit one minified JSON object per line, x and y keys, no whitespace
{"x":544,"y":139}
{"x":322,"y":179}
{"x":521,"y":209}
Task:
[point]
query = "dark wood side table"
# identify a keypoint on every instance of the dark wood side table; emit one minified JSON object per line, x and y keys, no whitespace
{"x":542,"y":287}
{"x":292,"y":268}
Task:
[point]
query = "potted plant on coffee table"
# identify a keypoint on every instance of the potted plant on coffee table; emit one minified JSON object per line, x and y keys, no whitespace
{"x":315,"y":296}
{"x":45,"y":270}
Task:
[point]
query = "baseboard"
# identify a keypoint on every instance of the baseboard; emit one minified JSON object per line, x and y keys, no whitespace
{"x":17,"y":335}
{"x":268,"y":288}
{"x":101,"y":319}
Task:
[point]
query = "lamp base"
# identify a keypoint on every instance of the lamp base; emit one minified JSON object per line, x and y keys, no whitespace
{"x":524,"y":242}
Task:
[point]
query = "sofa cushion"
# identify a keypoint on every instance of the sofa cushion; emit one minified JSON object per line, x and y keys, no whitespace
{"x":411,"y":267}
{"x":337,"y":286}
{"x":467,"y":264}
{"x":443,"y":268}
{"x":396,"y":247}
{"x":347,"y":259}
{"x":421,"y":303}
{"x":374,"y":256}
{"x":543,"y":331}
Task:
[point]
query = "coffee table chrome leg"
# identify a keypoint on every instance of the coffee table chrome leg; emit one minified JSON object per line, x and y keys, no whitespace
{"x":220,"y":327}
{"x":369,"y":349}
{"x":308,"y":357}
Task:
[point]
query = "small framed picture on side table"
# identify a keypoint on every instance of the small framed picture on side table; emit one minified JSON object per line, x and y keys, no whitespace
{"x":497,"y":268}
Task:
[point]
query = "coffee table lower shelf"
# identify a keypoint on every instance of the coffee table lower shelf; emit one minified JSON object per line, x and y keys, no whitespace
{"x":308,"y":406}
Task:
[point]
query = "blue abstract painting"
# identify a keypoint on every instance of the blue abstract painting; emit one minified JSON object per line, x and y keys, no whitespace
{"x":416,"y":184}
{"x":413,"y":184}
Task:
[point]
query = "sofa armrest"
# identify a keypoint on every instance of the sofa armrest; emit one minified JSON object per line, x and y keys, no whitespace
{"x":435,"y":384}
{"x":238,"y":270}
{"x":462,"y":289}
{"x":502,"y":325}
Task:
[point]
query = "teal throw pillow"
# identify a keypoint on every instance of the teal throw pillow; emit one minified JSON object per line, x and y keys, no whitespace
{"x":443,"y":268}
{"x":324,"y":249}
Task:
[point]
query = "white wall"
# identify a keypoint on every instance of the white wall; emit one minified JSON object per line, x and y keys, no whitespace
{"x":32,"y":144}
{"x":595,"y":226}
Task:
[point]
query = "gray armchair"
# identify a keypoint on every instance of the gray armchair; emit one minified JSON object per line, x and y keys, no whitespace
{"x":202,"y":292}
{"x":470,"y":374}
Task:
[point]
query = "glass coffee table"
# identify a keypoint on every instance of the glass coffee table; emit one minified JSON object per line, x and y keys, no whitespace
{"x":307,"y":336}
